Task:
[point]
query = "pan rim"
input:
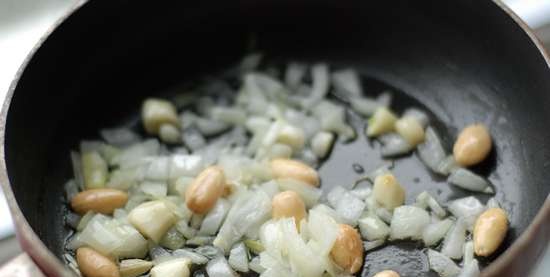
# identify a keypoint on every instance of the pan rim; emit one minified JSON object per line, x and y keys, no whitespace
{"x":49,"y":263}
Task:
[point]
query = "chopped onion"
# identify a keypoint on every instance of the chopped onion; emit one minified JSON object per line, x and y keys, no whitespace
{"x":294,"y":74}
{"x":335,"y":194}
{"x":470,"y":270}
{"x":361,"y":193}
{"x":364,"y":106}
{"x":154,"y":189}
{"x":442,"y":264}
{"x":431,"y":152}
{"x":172,"y":239}
{"x":468,"y":180}
{"x":371,"y":245}
{"x":436,"y":231}
{"x":394,"y":145}
{"x":169,"y":133}
{"x":350,"y":208}
{"x":426,"y":200}
{"x":419,"y":115}
{"x":227,"y":115}
{"x":467,"y":208}
{"x":347,"y":81}
{"x":372,"y":228}
{"x":328,"y":211}
{"x":321,"y":144}
{"x":213,"y":220}
{"x":321,"y":83}
{"x":193,"y":139}
{"x":185,"y":165}
{"x":249,"y":209}
{"x":384,"y":214}
{"x":279,"y":150}
{"x":309,"y":194}
{"x":492,"y":203}
{"x":111,"y":238}
{"x":453,"y":244}
{"x":333,"y":119}
{"x":255,"y":265}
{"x":183,"y":227}
{"x":200,"y":241}
{"x":468,"y":253}
{"x":219,"y":267}
{"x":124,"y":179}
{"x":210,"y":252}
{"x":447,"y":166}
{"x":238,"y":258}
{"x":323,"y":229}
{"x":385,"y":98}
{"x":136,"y":152}
{"x":189,"y":254}
{"x":408,"y":222}
{"x":210,"y":127}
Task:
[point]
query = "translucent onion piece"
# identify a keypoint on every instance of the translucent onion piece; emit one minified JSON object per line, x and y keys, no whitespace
{"x":492,"y":203}
{"x":238,"y":258}
{"x":309,"y":194}
{"x":447,"y":166}
{"x":468,"y":180}
{"x":364,"y":106}
{"x":350,"y":208}
{"x":468,"y":252}
{"x":347,"y":81}
{"x":442,"y":264}
{"x":159,"y":169}
{"x":189,"y":254}
{"x":372,"y":228}
{"x":470,"y":270}
{"x":394,"y":145}
{"x":436,"y":231}
{"x":255,"y":265}
{"x":453,"y":244}
{"x":154,"y":189}
{"x":321,"y":83}
{"x":213,"y":220}
{"x":250,"y":209}
{"x":431,"y":152}
{"x":219,"y":267}
{"x":467,"y":208}
{"x":371,"y":245}
{"x":408,"y":222}
{"x":426,"y":200}
{"x":136,"y":152}
{"x":294,"y":74}
{"x":419,"y":115}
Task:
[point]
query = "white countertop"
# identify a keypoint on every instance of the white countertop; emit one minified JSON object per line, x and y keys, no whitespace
{"x":23,"y":22}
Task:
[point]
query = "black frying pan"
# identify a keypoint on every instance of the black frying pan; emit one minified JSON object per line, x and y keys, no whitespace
{"x":464,"y":61}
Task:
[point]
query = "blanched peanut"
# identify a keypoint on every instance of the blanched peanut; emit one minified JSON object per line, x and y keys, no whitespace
{"x":153,"y":219}
{"x":134,"y":267}
{"x":156,"y":112}
{"x":94,"y":170}
{"x":410,"y":129}
{"x":381,"y":122}
{"x":103,"y":201}
{"x":347,"y":251}
{"x":388,"y":192}
{"x":288,"y":204}
{"x":386,"y":273}
{"x":489,"y":231}
{"x":204,"y":191}
{"x":287,"y":168}
{"x":472,"y":145}
{"x":93,"y":264}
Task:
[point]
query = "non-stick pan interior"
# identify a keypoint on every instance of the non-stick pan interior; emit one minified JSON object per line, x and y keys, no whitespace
{"x":464,"y":61}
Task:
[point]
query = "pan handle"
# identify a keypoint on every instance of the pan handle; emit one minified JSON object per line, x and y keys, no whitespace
{"x":21,"y":266}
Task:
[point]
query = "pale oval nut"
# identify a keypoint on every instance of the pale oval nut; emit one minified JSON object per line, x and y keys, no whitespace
{"x":169,"y":133}
{"x":173,"y":268}
{"x":292,"y":169}
{"x":153,"y":219}
{"x":156,"y":112}
{"x":489,"y":231}
{"x":95,"y":170}
{"x":134,"y":267}
{"x":472,"y":145}
{"x":388,"y":192}
{"x":386,"y":273}
{"x":382,"y":121}
{"x":92,"y":264}
{"x":288,"y":204}
{"x":410,"y":129}
{"x":102,"y":200}
{"x":201,"y":195}
{"x":347,"y":251}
